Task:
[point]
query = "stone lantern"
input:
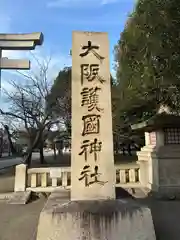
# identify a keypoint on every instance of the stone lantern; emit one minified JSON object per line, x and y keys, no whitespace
{"x":159,"y":159}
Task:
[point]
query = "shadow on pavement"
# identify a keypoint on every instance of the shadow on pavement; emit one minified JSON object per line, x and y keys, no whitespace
{"x":165,"y":214}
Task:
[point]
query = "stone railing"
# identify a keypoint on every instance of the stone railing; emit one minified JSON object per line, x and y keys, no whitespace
{"x":127,"y":175}
{"x":49,"y":179}
{"x":40,"y":178}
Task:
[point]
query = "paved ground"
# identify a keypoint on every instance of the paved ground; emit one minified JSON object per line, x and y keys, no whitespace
{"x":6,"y":161}
{"x":165,"y":214}
{"x":19,"y":221}
{"x":22,"y":220}
{"x":7,"y":180}
{"x":166,"y":218}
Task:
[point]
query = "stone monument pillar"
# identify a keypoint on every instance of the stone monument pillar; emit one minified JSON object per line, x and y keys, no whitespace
{"x":92,"y":160}
{"x":92,"y":212}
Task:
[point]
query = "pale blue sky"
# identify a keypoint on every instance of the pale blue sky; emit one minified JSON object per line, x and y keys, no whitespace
{"x":58,"y":18}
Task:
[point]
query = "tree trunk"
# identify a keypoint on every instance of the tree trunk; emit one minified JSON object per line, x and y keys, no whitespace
{"x":11,"y":146}
{"x":54,"y":149}
{"x":41,"y":152}
{"x":35,"y":143}
{"x":28,"y":157}
{"x":1,"y":147}
{"x":129,"y":149}
{"x":60,"y":147}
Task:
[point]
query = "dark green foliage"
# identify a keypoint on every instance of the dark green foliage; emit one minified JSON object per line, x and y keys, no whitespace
{"x":59,"y":101}
{"x":147,"y":59}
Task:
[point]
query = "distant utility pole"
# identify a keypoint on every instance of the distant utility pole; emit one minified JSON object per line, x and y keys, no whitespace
{"x":18,"y":42}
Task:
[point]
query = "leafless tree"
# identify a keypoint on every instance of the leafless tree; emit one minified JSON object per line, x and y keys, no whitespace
{"x":27,"y":106}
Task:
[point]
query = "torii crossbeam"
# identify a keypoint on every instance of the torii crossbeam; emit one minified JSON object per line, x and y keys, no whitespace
{"x":18,"y":42}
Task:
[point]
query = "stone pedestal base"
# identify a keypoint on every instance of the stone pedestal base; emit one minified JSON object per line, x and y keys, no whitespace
{"x":160,"y":170}
{"x":95,"y":220}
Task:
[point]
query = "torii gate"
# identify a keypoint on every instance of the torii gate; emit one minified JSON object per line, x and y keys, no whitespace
{"x":18,"y":42}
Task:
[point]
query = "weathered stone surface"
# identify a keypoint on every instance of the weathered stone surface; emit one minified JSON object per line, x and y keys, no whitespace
{"x":95,"y":220}
{"x":56,"y":199}
{"x":91,"y":118}
{"x":19,"y":198}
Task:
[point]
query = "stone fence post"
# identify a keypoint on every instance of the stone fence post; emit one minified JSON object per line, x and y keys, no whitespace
{"x":20,"y":178}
